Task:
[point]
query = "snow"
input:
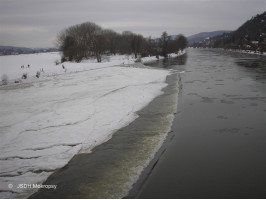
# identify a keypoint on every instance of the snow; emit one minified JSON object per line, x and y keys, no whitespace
{"x":150,"y":59}
{"x":44,"y":122}
{"x":153,"y":58}
{"x":45,"y":64}
{"x":247,"y":52}
{"x":180,"y":53}
{"x":241,"y":51}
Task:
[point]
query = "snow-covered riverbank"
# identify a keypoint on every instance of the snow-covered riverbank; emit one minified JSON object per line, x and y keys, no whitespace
{"x":237,"y":51}
{"x":13,"y":67}
{"x":153,"y":58}
{"x":247,"y":52}
{"x":45,"y":122}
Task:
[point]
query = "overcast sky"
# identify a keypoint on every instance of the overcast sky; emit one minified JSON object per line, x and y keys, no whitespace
{"x":35,"y":23}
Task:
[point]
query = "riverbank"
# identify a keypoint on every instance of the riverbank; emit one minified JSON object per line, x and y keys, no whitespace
{"x":112,"y":167}
{"x":51,"y":119}
{"x":237,"y":51}
{"x":45,"y":123}
{"x":26,"y":68}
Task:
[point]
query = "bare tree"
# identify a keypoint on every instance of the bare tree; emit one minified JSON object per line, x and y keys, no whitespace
{"x":76,"y":42}
{"x":100,"y":45}
{"x":138,"y":44}
{"x":181,"y":42}
{"x":88,"y":40}
{"x":164,"y":43}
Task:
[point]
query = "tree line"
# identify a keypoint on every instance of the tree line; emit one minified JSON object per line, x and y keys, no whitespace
{"x":88,"y":40}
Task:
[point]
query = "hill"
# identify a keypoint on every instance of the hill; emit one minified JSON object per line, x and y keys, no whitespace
{"x":204,"y":35}
{"x":249,"y":36}
{"x":11,"y":50}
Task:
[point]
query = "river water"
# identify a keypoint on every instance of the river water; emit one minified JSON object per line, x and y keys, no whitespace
{"x":217,"y":146}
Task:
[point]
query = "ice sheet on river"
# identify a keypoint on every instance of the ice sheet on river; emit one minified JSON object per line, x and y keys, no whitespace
{"x":43,"y":124}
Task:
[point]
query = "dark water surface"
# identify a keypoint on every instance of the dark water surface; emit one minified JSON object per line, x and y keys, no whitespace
{"x":217,"y":146}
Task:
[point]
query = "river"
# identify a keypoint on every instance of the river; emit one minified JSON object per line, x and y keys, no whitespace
{"x":215,"y":102}
{"x":217,"y":146}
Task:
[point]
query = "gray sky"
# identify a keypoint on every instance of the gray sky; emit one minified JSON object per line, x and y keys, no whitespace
{"x":35,"y":23}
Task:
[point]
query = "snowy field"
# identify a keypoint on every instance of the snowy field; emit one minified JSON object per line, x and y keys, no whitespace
{"x":44,"y":63}
{"x":45,"y":121}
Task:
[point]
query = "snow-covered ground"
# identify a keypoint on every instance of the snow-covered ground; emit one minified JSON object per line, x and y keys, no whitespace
{"x":247,"y":52}
{"x":44,"y":122}
{"x":11,"y":69}
{"x":153,"y":58}
{"x":45,"y":63}
{"x":240,"y":51}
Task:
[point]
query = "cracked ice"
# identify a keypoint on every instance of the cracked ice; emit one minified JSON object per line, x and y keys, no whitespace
{"x":44,"y":123}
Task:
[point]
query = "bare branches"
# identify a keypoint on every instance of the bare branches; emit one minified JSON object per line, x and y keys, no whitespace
{"x":90,"y":40}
